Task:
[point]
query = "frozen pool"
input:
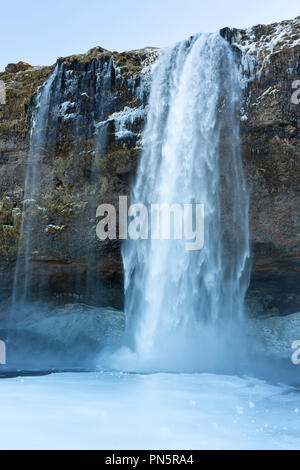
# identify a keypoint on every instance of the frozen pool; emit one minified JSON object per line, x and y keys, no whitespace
{"x":161,"y":411}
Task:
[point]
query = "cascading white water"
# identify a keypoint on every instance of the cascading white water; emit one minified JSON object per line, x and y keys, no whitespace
{"x":176,"y":300}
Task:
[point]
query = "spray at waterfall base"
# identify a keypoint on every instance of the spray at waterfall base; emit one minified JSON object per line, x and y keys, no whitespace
{"x":156,"y":222}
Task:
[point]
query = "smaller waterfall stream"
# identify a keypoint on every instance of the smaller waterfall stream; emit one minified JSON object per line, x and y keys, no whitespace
{"x":41,"y":128}
{"x":179,"y":303}
{"x":68,"y":108}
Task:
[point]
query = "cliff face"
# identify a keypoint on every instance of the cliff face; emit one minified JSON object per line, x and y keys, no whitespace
{"x":92,"y":146}
{"x":270,"y":139}
{"x":92,"y":153}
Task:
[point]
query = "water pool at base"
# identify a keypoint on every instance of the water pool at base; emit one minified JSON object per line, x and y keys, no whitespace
{"x":111,"y":410}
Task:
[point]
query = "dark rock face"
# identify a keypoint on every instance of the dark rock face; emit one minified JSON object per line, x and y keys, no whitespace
{"x":20,"y":66}
{"x":91,"y":158}
{"x":92,"y":132}
{"x":270,"y":139}
{"x":227,"y":34}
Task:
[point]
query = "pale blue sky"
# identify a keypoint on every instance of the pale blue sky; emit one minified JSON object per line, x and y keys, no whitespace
{"x":40,"y":31}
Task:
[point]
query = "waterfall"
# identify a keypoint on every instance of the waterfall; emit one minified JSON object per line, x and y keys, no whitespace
{"x":68,"y":109}
{"x":41,"y":133}
{"x":179,"y":302}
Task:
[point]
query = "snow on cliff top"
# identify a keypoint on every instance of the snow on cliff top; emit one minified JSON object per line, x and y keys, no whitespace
{"x":259,"y":43}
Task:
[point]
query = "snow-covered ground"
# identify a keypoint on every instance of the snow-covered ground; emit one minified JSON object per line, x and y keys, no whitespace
{"x":161,"y":411}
